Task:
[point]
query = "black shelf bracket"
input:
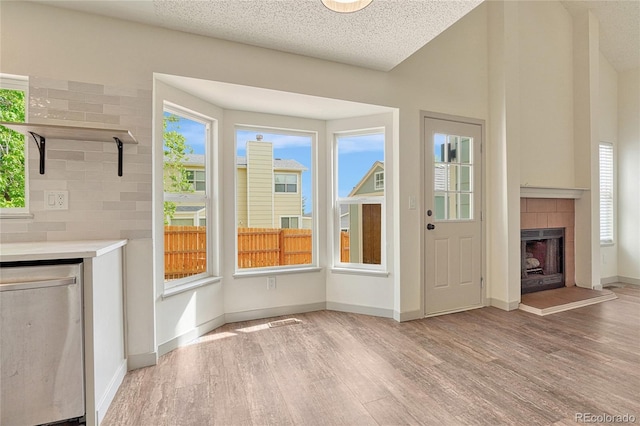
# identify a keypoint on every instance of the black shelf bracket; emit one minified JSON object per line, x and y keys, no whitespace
{"x":40,"y":143}
{"x":119,"y":145}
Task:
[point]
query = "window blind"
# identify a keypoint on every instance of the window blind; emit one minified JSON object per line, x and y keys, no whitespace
{"x":606,"y":193}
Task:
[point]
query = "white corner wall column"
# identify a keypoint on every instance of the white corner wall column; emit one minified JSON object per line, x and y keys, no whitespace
{"x":586,"y":81}
{"x":502,"y":157}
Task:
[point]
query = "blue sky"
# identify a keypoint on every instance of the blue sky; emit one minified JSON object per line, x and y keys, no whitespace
{"x":356,"y":154}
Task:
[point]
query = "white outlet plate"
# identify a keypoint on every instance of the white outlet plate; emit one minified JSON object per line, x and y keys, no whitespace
{"x":271,"y":283}
{"x":56,"y":200}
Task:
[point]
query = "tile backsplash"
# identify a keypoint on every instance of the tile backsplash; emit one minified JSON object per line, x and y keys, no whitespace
{"x":102,"y":205}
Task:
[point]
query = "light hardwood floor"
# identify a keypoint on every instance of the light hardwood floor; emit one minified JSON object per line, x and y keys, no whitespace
{"x":481,"y":367}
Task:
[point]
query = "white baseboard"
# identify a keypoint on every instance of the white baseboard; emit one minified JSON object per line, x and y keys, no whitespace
{"x":136,"y":361}
{"x":407,"y":316}
{"x":505,"y":306}
{"x":619,"y":279}
{"x":628,"y":280}
{"x":358,"y":309}
{"x":110,"y":393}
{"x":272,"y":312}
{"x":190,"y":335}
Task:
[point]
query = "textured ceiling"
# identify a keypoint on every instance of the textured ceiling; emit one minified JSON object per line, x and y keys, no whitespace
{"x":619,"y":29}
{"x":379,"y":37}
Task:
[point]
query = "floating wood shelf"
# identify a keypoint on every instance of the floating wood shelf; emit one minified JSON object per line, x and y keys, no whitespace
{"x":41,"y":132}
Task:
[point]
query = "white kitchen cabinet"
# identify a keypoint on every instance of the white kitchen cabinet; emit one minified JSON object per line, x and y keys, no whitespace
{"x":103,"y":312}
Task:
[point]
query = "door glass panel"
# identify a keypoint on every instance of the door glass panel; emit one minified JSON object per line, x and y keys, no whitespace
{"x":465,"y":206}
{"x":453,"y":177}
{"x":464,"y":181}
{"x":465,"y":150}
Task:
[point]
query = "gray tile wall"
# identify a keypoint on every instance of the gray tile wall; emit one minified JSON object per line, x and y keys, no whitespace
{"x":101,"y":204}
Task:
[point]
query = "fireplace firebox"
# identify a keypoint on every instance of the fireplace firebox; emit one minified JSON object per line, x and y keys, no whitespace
{"x":542,"y":259}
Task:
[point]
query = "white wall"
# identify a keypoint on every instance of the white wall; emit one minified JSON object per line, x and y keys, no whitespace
{"x":545,"y":68}
{"x":608,"y":126}
{"x":629,"y":176}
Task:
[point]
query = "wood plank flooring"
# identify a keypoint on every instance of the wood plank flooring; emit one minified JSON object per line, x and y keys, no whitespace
{"x":481,"y":367}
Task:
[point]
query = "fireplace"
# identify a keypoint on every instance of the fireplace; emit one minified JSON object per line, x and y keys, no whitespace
{"x":542,"y":259}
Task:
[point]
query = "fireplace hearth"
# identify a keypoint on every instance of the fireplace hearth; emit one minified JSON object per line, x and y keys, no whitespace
{"x":542,"y":259}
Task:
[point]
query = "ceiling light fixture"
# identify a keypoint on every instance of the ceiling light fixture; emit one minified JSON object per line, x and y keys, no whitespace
{"x":346,"y":6}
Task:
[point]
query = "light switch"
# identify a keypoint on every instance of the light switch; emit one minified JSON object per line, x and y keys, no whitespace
{"x":412,"y":202}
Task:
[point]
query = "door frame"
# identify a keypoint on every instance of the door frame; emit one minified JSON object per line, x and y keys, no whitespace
{"x":423,"y":215}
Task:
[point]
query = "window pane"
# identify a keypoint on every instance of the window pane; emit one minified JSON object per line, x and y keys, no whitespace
{"x":359,"y":174}
{"x":12,"y":160}
{"x":273,"y":189}
{"x":453,"y":177}
{"x":606,"y":193}
{"x":440,"y":207}
{"x":185,"y":245}
{"x":184,"y":150}
{"x":465,"y":151}
{"x":361,"y":233}
{"x":185,"y":233}
{"x":465,"y":206}
{"x":464,"y":183}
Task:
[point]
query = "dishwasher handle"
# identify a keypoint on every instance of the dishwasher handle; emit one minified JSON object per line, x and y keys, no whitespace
{"x":28,"y":285}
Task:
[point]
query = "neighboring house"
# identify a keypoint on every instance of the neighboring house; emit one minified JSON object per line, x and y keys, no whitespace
{"x":363,"y":221}
{"x":269,"y":190}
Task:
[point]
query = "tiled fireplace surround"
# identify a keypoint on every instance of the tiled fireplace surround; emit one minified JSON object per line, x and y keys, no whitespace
{"x":537,"y":213}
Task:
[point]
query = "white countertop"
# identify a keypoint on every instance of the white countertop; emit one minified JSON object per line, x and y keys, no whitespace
{"x":47,"y":250}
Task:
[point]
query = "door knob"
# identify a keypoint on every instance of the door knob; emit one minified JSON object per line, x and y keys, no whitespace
{"x":430,"y":226}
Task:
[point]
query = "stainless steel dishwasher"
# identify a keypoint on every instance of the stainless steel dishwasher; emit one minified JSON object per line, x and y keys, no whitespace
{"x":41,"y":342}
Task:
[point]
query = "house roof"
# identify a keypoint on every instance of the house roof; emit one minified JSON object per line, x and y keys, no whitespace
{"x":189,"y":208}
{"x":374,"y":167}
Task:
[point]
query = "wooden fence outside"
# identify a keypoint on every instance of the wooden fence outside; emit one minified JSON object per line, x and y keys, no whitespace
{"x":261,"y":247}
{"x":344,"y":247}
{"x":185,"y":252}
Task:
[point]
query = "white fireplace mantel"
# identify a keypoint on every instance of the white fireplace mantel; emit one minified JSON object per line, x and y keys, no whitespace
{"x":550,"y":192}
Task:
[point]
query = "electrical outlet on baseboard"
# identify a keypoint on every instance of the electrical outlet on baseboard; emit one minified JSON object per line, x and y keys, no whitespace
{"x":271,"y":283}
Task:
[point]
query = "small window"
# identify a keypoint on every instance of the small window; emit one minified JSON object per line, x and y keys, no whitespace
{"x":13,"y":148}
{"x":291,"y":222}
{"x":197,"y":178}
{"x":379,"y":181}
{"x":606,"y":193}
{"x":286,"y":183}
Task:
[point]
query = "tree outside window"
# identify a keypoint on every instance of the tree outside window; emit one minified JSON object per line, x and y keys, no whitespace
{"x":12,"y":151}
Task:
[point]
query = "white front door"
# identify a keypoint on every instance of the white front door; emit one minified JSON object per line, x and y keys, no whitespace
{"x":453,"y":200}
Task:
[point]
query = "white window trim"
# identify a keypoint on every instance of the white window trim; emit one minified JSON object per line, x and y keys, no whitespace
{"x":182,"y":284}
{"x":313,"y":266}
{"x":338,"y":265}
{"x":17,"y":82}
{"x":608,"y":146}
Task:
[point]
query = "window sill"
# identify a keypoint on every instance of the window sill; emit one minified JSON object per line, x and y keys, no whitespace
{"x":263,"y":273}
{"x":172,"y":291}
{"x":607,"y":244}
{"x":356,"y":271}
{"x":16,"y":215}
